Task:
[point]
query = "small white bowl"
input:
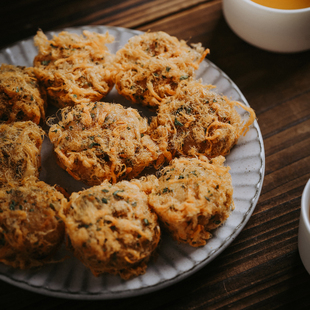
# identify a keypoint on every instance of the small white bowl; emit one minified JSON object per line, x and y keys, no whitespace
{"x":275,"y":30}
{"x":304,"y":228}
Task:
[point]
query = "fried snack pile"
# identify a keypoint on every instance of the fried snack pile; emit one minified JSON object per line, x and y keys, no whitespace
{"x":20,"y":147}
{"x":196,"y":121}
{"x":111,"y":228}
{"x":150,"y":67}
{"x":30,"y":230}
{"x":102,"y":141}
{"x":73,"y":68}
{"x":193,"y":197}
{"x":21,"y":98}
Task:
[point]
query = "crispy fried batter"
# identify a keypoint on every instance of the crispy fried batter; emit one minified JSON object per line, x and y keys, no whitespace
{"x":192,"y":197}
{"x":196,"y":120}
{"x":30,"y":229}
{"x":19,"y":151}
{"x":150,"y":66}
{"x":111,"y":228}
{"x":102,"y":141}
{"x":73,"y":68}
{"x":21,"y":97}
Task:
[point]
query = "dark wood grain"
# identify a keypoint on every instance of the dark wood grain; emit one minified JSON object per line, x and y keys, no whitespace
{"x":261,"y":269}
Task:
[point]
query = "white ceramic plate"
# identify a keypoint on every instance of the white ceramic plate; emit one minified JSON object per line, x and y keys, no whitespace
{"x":70,"y":279}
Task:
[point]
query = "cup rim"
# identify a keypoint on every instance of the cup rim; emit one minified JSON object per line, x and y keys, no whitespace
{"x":305,"y":205}
{"x":283,"y":11}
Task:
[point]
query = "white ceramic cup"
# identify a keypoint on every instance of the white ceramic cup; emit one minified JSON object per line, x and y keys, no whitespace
{"x":275,"y":30}
{"x":304,"y":228}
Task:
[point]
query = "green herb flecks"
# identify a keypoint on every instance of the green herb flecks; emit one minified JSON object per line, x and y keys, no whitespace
{"x":93,"y":144}
{"x":116,"y":194}
{"x":184,"y":77}
{"x":12,"y":205}
{"x":177,"y":123}
{"x":45,"y":62}
{"x":167,"y":190}
{"x":104,"y":200}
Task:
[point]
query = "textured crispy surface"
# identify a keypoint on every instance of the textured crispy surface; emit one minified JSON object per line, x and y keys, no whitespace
{"x":20,"y":146}
{"x":196,"y":120}
{"x":150,"y":66}
{"x":112,"y":229}
{"x":30,"y":229}
{"x":192,"y":197}
{"x":74,"y":68}
{"x":21,"y":98}
{"x":102,"y":141}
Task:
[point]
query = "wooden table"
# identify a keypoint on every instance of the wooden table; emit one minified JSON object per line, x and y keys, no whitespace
{"x":261,"y":269}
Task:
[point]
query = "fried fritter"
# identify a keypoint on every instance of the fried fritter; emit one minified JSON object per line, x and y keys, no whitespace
{"x":74,"y":68}
{"x":150,"y":66}
{"x":20,"y":147}
{"x":30,"y":229}
{"x":21,"y":97}
{"x":196,"y":120}
{"x":102,"y":141}
{"x":112,"y":229}
{"x":192,"y":197}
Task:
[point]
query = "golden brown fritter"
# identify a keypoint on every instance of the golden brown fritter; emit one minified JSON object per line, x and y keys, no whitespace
{"x":20,"y":147}
{"x":30,"y":229}
{"x":21,"y":98}
{"x":112,"y":229}
{"x":150,"y":66}
{"x":196,"y":120}
{"x":102,"y":141}
{"x":74,"y":68}
{"x":192,"y":197}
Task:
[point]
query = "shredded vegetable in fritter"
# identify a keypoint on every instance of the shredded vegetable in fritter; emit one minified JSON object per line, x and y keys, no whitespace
{"x":196,"y":120}
{"x":102,"y":141}
{"x":30,"y":229}
{"x":21,"y":97}
{"x":74,"y":68}
{"x":150,"y":67}
{"x":192,"y":197}
{"x":111,"y":228}
{"x":20,"y":147}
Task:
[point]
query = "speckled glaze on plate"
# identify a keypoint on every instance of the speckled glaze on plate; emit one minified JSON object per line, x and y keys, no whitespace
{"x":70,"y":279}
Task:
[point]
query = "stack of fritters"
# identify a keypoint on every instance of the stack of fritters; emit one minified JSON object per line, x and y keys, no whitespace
{"x":112,"y":226}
